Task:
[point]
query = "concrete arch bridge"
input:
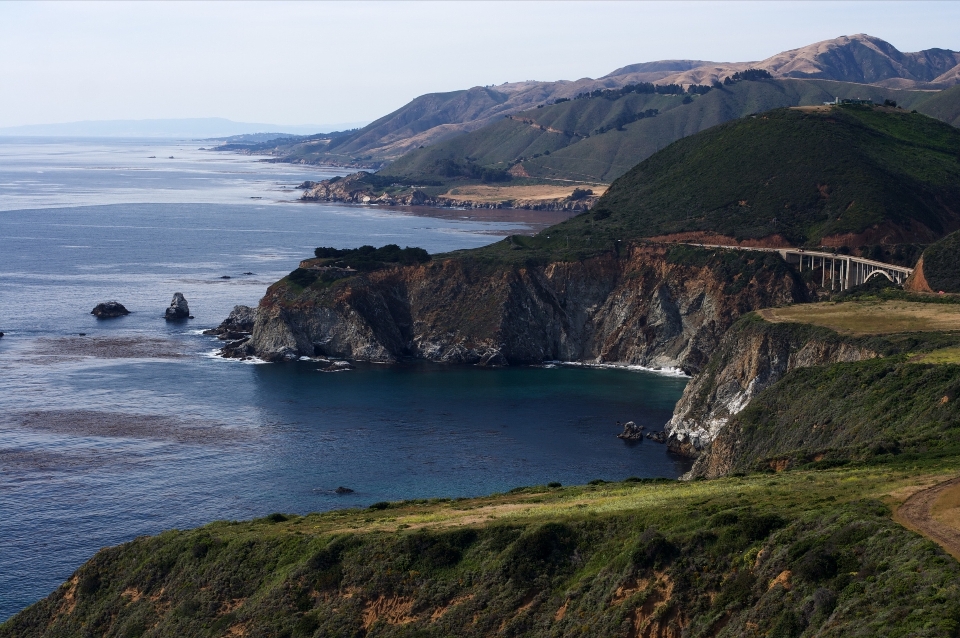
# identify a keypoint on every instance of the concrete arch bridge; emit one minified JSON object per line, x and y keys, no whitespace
{"x":837,"y":272}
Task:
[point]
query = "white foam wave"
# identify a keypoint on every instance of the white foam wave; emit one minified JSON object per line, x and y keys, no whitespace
{"x":215,"y":354}
{"x":667,"y":372}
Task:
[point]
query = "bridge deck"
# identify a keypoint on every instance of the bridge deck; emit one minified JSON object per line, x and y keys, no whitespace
{"x":844,"y":271}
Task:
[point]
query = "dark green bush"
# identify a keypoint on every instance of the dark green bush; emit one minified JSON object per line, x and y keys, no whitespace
{"x":368,"y":258}
{"x":542,"y":551}
{"x":303,"y":277}
{"x":654,"y":550}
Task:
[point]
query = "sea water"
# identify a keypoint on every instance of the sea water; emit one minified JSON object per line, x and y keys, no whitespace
{"x":135,"y":427}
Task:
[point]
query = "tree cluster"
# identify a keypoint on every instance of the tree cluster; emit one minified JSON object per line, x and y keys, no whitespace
{"x":367,"y":258}
{"x":643,"y":88}
{"x":470,"y":170}
{"x":625,"y":119}
{"x":750,"y":75}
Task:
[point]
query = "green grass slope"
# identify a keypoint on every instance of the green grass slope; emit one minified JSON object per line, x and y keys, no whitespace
{"x":587,"y":139}
{"x":608,"y":156}
{"x":944,"y":105}
{"x":530,"y":135}
{"x":802,"y":553}
{"x":877,"y":175}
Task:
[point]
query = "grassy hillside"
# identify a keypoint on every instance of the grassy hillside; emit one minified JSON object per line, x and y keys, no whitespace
{"x":873,"y":410}
{"x":941,"y":266}
{"x":851,"y":175}
{"x":944,"y":106}
{"x":802,"y":553}
{"x":803,"y":175}
{"x":596,"y":139}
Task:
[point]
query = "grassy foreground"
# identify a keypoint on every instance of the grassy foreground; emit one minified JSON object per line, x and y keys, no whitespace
{"x":791,"y":554}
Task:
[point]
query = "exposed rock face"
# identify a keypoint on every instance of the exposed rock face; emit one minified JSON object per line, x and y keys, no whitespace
{"x":752,"y":356}
{"x":351,"y":189}
{"x":109,"y":310}
{"x":237,"y":325}
{"x":178,"y":308}
{"x":639,"y":308}
{"x":917,"y":281}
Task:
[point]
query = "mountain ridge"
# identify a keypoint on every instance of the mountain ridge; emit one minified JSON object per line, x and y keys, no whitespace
{"x":434,"y":117}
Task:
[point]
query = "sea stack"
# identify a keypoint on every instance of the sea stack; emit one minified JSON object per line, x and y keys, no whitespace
{"x":109,"y":310}
{"x":178,"y":308}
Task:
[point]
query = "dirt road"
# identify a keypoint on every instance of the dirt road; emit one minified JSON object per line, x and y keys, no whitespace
{"x":917,"y":513}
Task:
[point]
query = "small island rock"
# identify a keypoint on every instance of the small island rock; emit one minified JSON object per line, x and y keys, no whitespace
{"x":178,"y":308}
{"x":109,"y":310}
{"x":631,"y":431}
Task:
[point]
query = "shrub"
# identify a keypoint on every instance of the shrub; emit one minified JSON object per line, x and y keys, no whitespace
{"x":654,"y":550}
{"x":544,"y":551}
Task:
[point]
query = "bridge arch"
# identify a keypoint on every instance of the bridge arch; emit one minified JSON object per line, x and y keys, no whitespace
{"x":878,"y":272}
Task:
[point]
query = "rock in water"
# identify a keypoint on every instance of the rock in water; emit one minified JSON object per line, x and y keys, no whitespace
{"x":109,"y":309}
{"x":659,"y":437}
{"x":237,"y":325}
{"x":343,"y":490}
{"x":178,"y":308}
{"x":631,"y":431}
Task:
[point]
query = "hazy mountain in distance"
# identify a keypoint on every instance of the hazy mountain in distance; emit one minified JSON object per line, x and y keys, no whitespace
{"x":201,"y":127}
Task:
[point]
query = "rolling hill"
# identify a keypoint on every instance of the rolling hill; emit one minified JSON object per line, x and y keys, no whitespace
{"x":434,"y":117}
{"x":846,"y":176}
{"x":823,"y":176}
{"x":594,"y":139}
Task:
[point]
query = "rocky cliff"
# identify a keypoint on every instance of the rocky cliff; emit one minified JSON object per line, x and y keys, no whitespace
{"x":843,"y":403}
{"x":752,"y":356}
{"x":654,"y":306}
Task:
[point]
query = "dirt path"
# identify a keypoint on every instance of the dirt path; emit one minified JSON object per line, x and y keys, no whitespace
{"x":918,"y":513}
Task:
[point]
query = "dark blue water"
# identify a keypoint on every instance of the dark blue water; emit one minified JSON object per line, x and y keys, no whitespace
{"x":135,"y":427}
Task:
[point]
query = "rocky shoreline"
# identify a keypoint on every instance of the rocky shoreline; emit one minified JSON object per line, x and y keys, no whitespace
{"x":640,"y":309}
{"x":352,"y":189}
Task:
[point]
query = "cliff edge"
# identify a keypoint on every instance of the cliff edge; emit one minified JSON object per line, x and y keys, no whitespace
{"x":752,"y":356}
{"x":649,"y":305}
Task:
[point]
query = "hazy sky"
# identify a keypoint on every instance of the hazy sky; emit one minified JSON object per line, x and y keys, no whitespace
{"x":325,"y":63}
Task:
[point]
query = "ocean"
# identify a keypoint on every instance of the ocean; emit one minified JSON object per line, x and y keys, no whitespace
{"x":112,"y":429}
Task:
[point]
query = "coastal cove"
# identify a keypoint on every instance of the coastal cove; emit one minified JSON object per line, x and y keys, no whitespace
{"x":135,"y":427}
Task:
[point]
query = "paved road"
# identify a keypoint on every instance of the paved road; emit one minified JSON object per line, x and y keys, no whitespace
{"x":916,"y":513}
